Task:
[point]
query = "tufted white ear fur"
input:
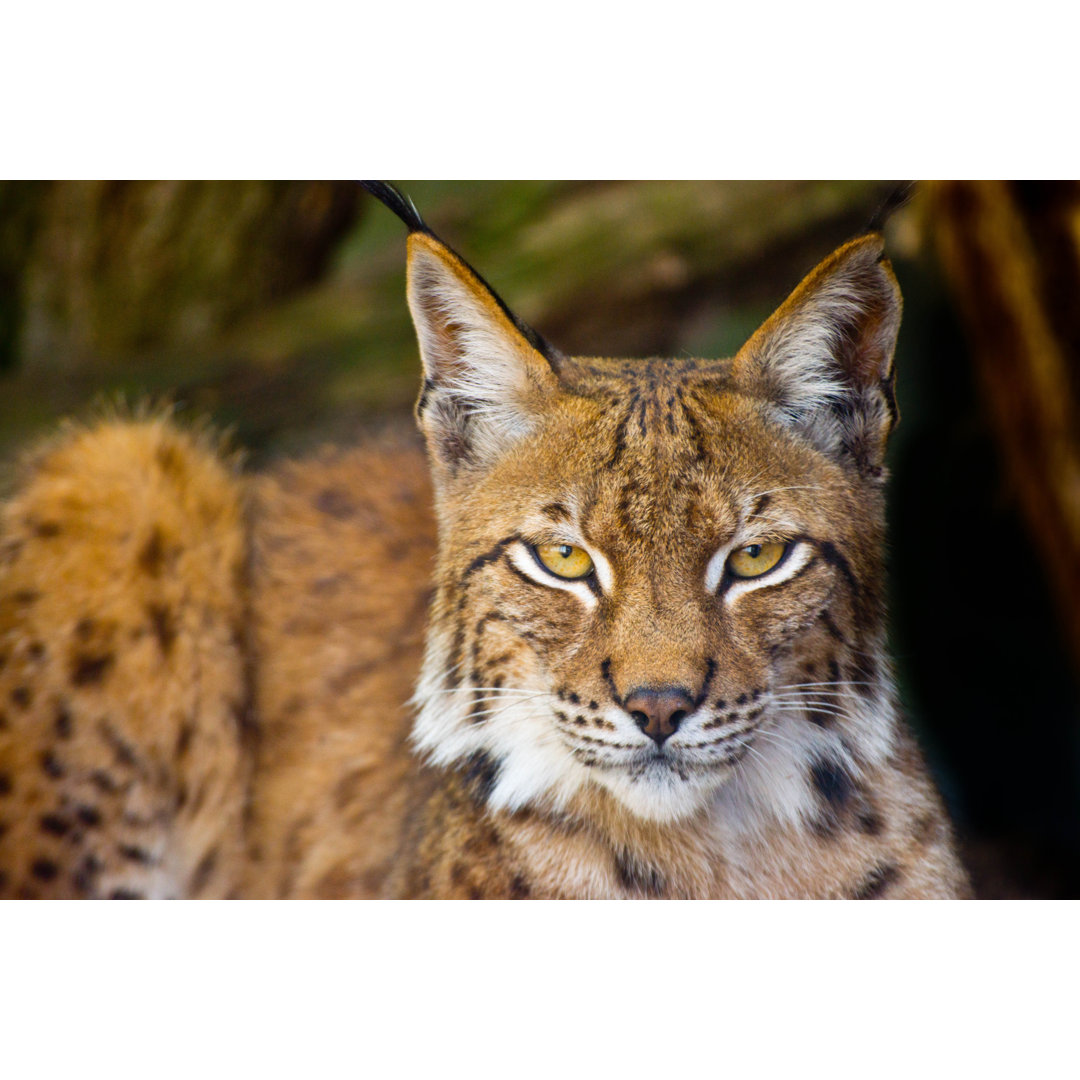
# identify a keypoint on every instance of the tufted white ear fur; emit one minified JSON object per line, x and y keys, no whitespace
{"x":485,"y":380}
{"x":824,"y":358}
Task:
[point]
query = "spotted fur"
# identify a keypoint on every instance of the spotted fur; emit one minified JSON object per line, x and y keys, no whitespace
{"x":206,"y":677}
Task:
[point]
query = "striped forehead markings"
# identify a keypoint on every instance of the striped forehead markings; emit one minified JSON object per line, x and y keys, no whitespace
{"x":557,"y":512}
{"x":655,"y":408}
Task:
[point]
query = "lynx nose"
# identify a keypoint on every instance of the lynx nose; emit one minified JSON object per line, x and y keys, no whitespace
{"x":658,"y":710}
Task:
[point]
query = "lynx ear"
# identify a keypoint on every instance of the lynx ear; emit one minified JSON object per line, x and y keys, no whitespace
{"x":486,"y":373}
{"x":824,"y":358}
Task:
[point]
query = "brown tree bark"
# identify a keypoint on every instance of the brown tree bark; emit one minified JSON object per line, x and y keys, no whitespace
{"x":110,"y":271}
{"x":1011,"y":256}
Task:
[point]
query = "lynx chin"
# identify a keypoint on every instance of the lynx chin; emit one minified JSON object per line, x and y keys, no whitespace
{"x":616,"y":630}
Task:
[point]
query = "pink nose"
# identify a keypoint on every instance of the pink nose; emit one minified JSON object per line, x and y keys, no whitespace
{"x":658,"y":710}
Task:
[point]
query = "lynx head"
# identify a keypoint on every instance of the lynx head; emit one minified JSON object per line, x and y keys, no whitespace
{"x":658,"y":580}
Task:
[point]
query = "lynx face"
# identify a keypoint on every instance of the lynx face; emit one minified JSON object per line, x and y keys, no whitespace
{"x":656,"y":577}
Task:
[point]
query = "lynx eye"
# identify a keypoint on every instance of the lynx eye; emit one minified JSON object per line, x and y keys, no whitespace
{"x":755,"y":559}
{"x":564,"y":560}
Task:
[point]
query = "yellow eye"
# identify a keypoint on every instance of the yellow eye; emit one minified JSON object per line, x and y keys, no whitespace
{"x":564,"y":560}
{"x":755,"y":559}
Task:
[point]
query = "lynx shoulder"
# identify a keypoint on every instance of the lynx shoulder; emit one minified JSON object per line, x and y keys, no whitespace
{"x":621,"y":634}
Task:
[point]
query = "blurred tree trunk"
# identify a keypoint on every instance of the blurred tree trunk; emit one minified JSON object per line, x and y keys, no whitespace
{"x":109,"y":271}
{"x":1011,"y":255}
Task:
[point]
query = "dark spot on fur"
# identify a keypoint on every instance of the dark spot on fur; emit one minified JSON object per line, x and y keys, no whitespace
{"x":203,"y":872}
{"x":26,"y":596}
{"x":44,"y":869}
{"x":86,"y":670}
{"x":475,"y":893}
{"x":927,"y":829}
{"x":151,"y":558}
{"x":329,"y":584}
{"x":5,"y":784}
{"x":168,"y":458}
{"x":125,"y":894}
{"x":104,"y":782}
{"x":336,"y":502}
{"x":85,"y":872}
{"x":89,"y":816}
{"x":480,"y":774}
{"x":36,"y":650}
{"x":832,"y":782}
{"x":54,"y":824}
{"x":123,"y":751}
{"x":635,"y":877}
{"x":742,"y":699}
{"x":759,"y":506}
{"x":135,"y":854}
{"x":22,"y":696}
{"x":876,"y":883}
{"x":458,"y":873}
{"x":50,"y":766}
{"x":63,"y":723}
{"x":519,"y":888}
{"x":821,"y":719}
{"x":870,"y":822}
{"x":47,"y":529}
{"x":183,"y":740}
{"x":479,"y":709}
{"x":163,"y":623}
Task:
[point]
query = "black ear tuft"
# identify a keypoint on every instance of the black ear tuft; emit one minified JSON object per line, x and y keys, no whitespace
{"x":397,"y":201}
{"x":898,"y":197}
{"x":403,"y":206}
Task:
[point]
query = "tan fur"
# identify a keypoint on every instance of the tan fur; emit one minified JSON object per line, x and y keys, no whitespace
{"x":122,"y":673}
{"x":205,"y":678}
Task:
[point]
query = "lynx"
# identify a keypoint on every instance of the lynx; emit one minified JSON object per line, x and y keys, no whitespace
{"x":622,"y":635}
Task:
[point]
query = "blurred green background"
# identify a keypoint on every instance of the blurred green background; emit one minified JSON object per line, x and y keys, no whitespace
{"x":278,"y":310}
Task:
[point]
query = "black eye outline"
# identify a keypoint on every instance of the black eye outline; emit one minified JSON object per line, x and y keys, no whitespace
{"x":589,"y":577}
{"x":730,"y":577}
